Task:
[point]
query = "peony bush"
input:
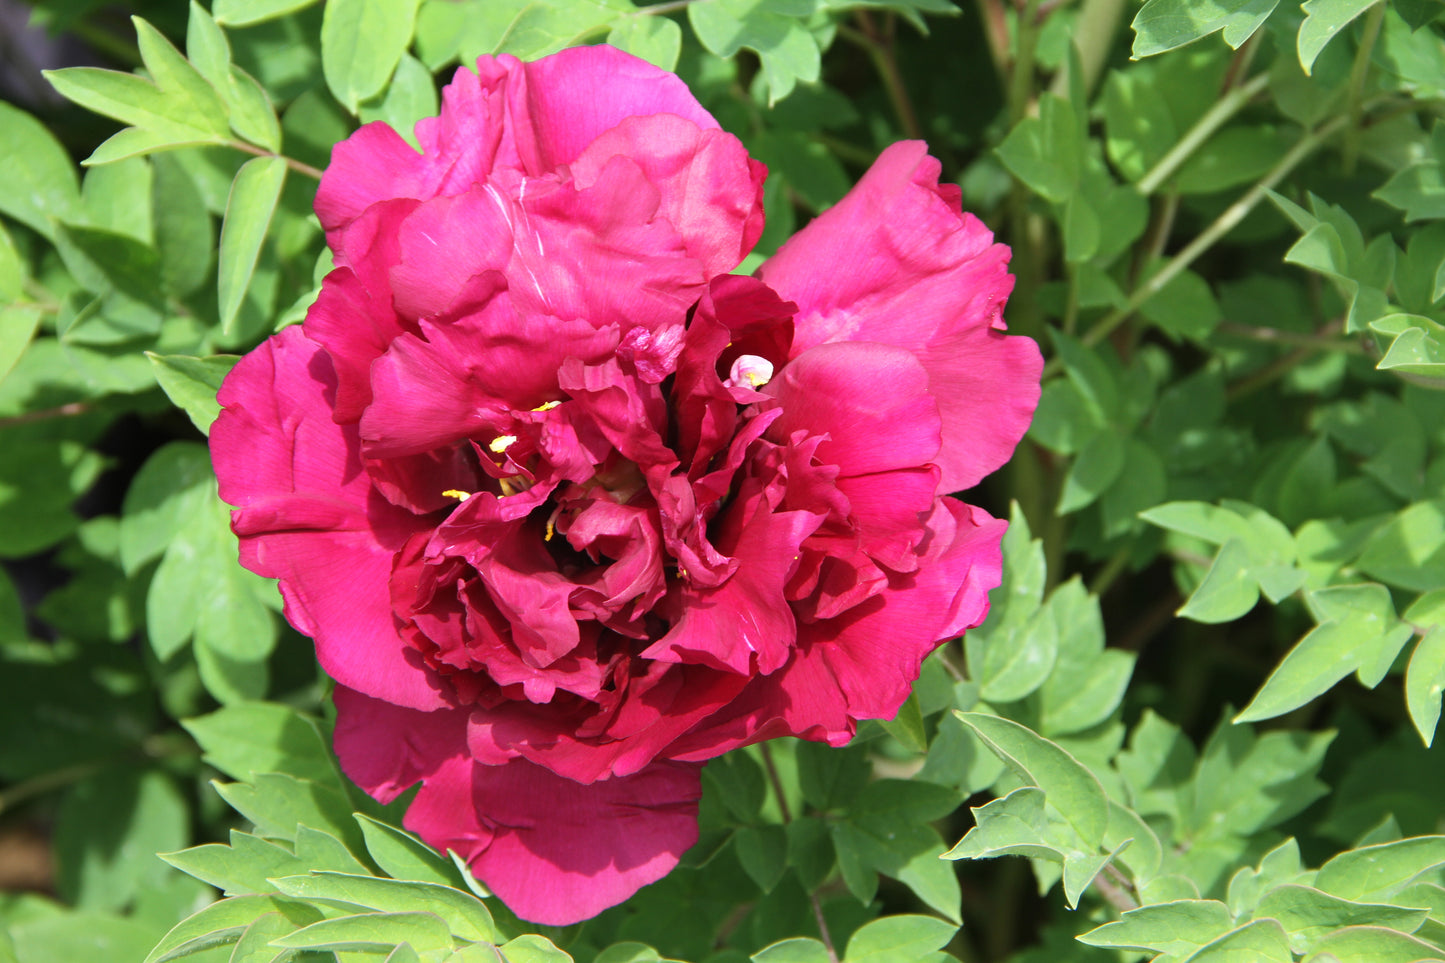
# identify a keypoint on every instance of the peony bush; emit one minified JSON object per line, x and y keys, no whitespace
{"x":569,"y":509}
{"x":721,"y":481}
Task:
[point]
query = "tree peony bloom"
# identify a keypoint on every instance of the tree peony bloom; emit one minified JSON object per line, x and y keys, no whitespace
{"x":569,"y":509}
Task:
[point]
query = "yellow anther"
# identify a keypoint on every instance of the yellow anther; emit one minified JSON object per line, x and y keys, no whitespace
{"x":507,"y":486}
{"x":501,"y":443}
{"x":458,"y":495}
{"x":551,"y":530}
{"x":548,"y":406}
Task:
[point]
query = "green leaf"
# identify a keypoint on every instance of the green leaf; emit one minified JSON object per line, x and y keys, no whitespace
{"x":184,"y":237}
{"x":1233,"y":157}
{"x":1176,"y":929}
{"x":907,"y":725}
{"x":1375,"y":944}
{"x":249,"y":208}
{"x":370,"y":932}
{"x":38,"y":482}
{"x":465,"y":915}
{"x":1162,"y":25}
{"x":242,"y":868}
{"x":107,"y":832}
{"x":176,"y":107}
{"x":533,"y":949}
{"x":1309,"y":914}
{"x":1358,"y":630}
{"x":254,"y":737}
{"x":1184,"y":308}
{"x":799,"y":949}
{"x":1418,"y":347}
{"x":1424,"y":681}
{"x":1409,"y":552}
{"x":1418,"y":190}
{"x":1262,"y":941}
{"x":192,"y":383}
{"x":39,"y":176}
{"x":1045,"y":152}
{"x":1095,"y":468}
{"x":18,"y":323}
{"x":1323,"y":20}
{"x":1377,"y":873}
{"x":830,"y":777}
{"x":225,"y":921}
{"x":163,"y":498}
{"x":361,"y":44}
{"x":1087,"y":681}
{"x":277,"y":803}
{"x":655,"y":39}
{"x":1070,"y":787}
{"x":243,"y":13}
{"x":410,"y":96}
{"x":898,"y":939}
{"x":402,"y":856}
{"x":79,"y":936}
{"x":763,"y":852}
{"x":774,"y":29}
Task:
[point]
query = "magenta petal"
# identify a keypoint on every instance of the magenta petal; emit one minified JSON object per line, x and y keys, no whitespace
{"x":307,"y":515}
{"x":896,"y":262}
{"x":875,"y":649}
{"x":711,"y":192}
{"x":574,"y":96}
{"x":563,"y":852}
{"x":386,"y":749}
{"x":872,"y":400}
{"x":744,"y":625}
{"x":374,"y":164}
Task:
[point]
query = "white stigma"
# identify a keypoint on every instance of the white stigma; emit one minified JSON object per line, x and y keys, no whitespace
{"x":749,"y":371}
{"x":501,"y":443}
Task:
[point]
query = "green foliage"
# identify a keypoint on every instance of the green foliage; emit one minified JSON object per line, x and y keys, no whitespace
{"x":1232,"y":494}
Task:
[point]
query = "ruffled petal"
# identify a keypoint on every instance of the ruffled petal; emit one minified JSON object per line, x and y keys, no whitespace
{"x":572,"y":97}
{"x":897,"y":262}
{"x":711,"y":191}
{"x":307,"y":514}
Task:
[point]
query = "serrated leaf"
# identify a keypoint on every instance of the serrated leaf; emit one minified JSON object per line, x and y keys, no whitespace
{"x":239,"y":869}
{"x":1070,"y":787}
{"x":361,"y":43}
{"x":243,"y":13}
{"x":18,"y":323}
{"x":277,"y":803}
{"x":249,"y":209}
{"x":896,"y":939}
{"x":907,"y":725}
{"x":533,"y":949}
{"x":1326,"y":654}
{"x":1228,"y":590}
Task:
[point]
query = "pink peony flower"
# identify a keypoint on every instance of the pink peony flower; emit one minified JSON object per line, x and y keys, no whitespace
{"x":569,"y":509}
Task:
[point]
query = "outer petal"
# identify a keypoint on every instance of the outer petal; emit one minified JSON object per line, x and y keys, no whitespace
{"x":386,"y":749}
{"x":564,"y":852}
{"x":897,"y":262}
{"x":307,"y":514}
{"x":573,"y":96}
{"x":872,"y":400}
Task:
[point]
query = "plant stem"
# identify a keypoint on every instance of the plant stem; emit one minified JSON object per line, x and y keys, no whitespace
{"x":879,"y":48}
{"x":995,"y":30}
{"x":777,"y":783}
{"x":1204,"y":128}
{"x":1221,"y":226}
{"x":47,"y":781}
{"x":1021,"y":83}
{"x":1325,"y":340}
{"x":1094,"y":31}
{"x":291,"y":162}
{"x":61,"y":411}
{"x":1358,"y":72}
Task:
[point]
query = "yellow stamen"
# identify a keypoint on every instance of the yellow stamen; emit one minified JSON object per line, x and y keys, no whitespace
{"x":551,"y":530}
{"x":501,"y":443}
{"x":547,"y":406}
{"x":458,"y":495}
